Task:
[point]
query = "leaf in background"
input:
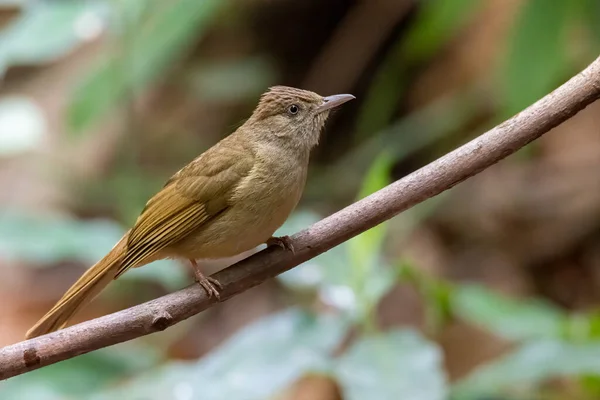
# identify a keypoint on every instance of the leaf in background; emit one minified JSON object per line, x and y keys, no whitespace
{"x":328,"y":268}
{"x":233,"y":80}
{"x":81,"y":375}
{"x":366,"y":245}
{"x":50,"y":238}
{"x":369,"y":278}
{"x":437,"y":22}
{"x":255,"y":363}
{"x":22,"y":125}
{"x":46,"y":31}
{"x":436,"y":295}
{"x":175,"y":27}
{"x":512,"y":319}
{"x":537,"y":55}
{"x":433,"y":122}
{"x":349,"y":277}
{"x":47,"y":239}
{"x":391,"y":366}
{"x":591,"y":11}
{"x":530,"y":365}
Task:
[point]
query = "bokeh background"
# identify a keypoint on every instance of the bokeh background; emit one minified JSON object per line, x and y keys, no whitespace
{"x":488,"y":291}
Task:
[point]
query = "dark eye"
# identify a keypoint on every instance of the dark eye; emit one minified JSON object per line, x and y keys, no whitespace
{"x":293,"y":109}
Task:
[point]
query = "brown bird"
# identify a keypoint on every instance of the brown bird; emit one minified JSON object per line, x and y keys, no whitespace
{"x":228,"y":200}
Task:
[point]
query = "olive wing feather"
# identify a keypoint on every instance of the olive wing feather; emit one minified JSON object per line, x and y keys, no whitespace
{"x":196,"y":194}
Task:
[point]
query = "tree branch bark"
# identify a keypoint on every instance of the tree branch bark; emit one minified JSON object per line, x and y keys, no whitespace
{"x":440,"y":175}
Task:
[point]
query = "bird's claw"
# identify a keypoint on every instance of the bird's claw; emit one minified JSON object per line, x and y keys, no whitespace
{"x":210,"y":285}
{"x":285,"y":242}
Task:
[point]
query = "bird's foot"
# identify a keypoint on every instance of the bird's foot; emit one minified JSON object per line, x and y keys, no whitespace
{"x":209,"y":284}
{"x":285,"y":242}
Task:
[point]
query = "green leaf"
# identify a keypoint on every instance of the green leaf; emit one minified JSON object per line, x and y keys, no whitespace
{"x":364,"y":248}
{"x":46,"y":239}
{"x":509,"y":318}
{"x":175,"y":27}
{"x":81,"y":375}
{"x":436,"y":295}
{"x":529,"y":366}
{"x":232,"y":80}
{"x":46,"y":31}
{"x":537,"y":56}
{"x":391,"y":366}
{"x":255,"y":363}
{"x":437,"y":22}
{"x":591,"y":12}
{"x":330,"y":268}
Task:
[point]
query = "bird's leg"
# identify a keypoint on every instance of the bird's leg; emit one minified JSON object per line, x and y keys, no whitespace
{"x":285,"y":242}
{"x":209,"y":284}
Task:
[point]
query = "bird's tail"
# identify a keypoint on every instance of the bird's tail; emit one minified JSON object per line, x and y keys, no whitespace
{"x":82,"y":292}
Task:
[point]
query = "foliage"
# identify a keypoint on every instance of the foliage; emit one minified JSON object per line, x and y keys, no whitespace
{"x":247,"y":366}
{"x":337,"y":332}
{"x":165,"y":37}
{"x":27,"y":42}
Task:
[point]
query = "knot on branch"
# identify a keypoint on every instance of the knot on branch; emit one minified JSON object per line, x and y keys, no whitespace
{"x":161,"y":321}
{"x":31,"y":358}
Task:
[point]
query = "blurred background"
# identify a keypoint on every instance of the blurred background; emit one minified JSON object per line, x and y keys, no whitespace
{"x":488,"y":291}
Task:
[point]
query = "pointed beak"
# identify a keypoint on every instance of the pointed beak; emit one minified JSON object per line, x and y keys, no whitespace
{"x":336,"y":100}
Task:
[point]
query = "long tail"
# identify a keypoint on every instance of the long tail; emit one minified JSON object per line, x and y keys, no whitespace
{"x":82,"y":292}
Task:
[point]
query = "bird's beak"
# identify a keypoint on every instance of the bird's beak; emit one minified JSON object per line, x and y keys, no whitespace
{"x":330,"y":102}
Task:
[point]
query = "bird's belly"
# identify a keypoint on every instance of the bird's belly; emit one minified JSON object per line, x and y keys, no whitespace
{"x":250,"y":222}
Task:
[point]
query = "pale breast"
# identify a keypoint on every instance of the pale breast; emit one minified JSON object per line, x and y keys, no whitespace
{"x":261,"y":204}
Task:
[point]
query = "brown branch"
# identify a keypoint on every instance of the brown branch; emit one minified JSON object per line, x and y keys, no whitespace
{"x":440,"y":175}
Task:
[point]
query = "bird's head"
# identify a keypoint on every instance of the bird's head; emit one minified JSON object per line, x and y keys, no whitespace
{"x":293,"y":115}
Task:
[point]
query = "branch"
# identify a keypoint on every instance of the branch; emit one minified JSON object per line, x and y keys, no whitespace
{"x":440,"y":175}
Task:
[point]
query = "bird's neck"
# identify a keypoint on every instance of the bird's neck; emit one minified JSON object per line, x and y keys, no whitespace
{"x":268,"y":144}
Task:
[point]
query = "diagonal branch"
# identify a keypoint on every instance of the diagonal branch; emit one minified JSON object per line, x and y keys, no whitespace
{"x":440,"y":175}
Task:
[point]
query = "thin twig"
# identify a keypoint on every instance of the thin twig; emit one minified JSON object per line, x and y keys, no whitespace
{"x":440,"y":175}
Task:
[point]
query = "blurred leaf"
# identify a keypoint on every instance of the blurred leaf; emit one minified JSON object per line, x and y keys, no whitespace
{"x":591,"y":11}
{"x":537,"y":57}
{"x":351,"y":276}
{"x":52,"y":238}
{"x":46,"y":31}
{"x":509,"y":318}
{"x":328,"y":273}
{"x":47,"y":239}
{"x":22,"y":125}
{"x":327,"y":268}
{"x":437,"y":22}
{"x":175,"y":27}
{"x":365,"y":248}
{"x":81,"y":375}
{"x":391,"y":366}
{"x":255,"y":363}
{"x":530,"y":365}
{"x":437,"y":295}
{"x":369,"y":277}
{"x":403,"y":138}
{"x":233,"y":80}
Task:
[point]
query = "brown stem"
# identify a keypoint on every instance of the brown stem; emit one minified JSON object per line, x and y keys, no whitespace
{"x":440,"y":175}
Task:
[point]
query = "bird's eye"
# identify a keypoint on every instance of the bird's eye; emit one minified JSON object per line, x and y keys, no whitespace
{"x":293,"y":109}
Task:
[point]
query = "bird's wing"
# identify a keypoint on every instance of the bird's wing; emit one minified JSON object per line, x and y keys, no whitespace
{"x":193,"y":196}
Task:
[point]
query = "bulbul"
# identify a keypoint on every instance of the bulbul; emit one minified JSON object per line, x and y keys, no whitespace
{"x":230,"y":199}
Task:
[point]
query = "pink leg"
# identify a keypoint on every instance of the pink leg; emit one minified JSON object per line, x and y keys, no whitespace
{"x":209,"y":284}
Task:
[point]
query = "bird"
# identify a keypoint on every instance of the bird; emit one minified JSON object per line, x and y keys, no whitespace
{"x":230,"y":199}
